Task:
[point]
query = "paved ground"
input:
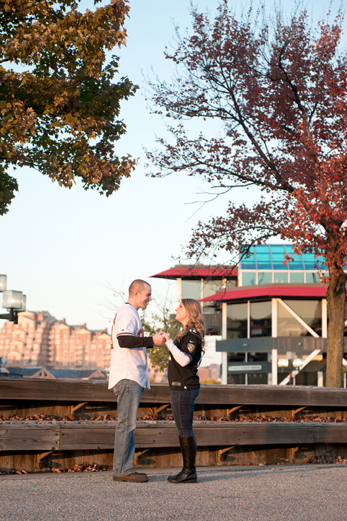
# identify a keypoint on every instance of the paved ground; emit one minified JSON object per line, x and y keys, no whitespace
{"x":288,"y":493}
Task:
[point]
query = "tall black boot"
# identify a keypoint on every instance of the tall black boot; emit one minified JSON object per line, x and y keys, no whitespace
{"x":188,"y":473}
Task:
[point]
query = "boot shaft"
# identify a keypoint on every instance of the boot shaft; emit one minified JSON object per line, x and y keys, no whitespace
{"x":188,"y":449}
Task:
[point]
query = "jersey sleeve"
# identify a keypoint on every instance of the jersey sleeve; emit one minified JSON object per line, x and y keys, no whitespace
{"x":181,"y":358}
{"x":126,"y":325}
{"x":134,"y":342}
{"x":189,"y":344}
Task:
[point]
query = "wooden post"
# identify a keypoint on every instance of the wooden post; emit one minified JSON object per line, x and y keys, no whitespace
{"x":179,"y":290}
{"x":274,"y":366}
{"x":224,"y":368}
{"x":274,"y":318}
{"x":224,"y":337}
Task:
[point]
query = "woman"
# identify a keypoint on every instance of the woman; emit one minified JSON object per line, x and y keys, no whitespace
{"x":186,"y":351}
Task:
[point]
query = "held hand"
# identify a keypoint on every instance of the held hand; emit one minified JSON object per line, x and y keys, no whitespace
{"x":167,"y":336}
{"x":159,"y":339}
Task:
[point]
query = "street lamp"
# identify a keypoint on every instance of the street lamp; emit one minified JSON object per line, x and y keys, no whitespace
{"x":3,"y":282}
{"x":13,"y":301}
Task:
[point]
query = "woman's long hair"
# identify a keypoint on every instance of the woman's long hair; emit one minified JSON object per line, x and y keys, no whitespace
{"x":195,"y":320}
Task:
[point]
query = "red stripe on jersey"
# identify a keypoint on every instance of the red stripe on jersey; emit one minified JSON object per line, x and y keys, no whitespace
{"x":124,"y":333}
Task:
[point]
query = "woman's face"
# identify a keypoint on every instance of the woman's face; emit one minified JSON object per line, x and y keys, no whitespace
{"x":181,"y":314}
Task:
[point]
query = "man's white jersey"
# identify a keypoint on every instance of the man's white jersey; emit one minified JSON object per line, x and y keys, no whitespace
{"x":128,"y":363}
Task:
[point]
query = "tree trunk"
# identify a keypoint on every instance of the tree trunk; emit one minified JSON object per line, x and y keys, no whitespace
{"x":336,"y":296}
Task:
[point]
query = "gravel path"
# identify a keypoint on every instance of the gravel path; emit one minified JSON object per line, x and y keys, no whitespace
{"x":288,"y":493}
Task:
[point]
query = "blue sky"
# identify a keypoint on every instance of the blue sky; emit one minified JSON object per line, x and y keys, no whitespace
{"x":65,"y":248}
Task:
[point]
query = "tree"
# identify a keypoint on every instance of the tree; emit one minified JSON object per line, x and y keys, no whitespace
{"x":159,"y":355}
{"x":278,"y":89}
{"x":59,"y":108}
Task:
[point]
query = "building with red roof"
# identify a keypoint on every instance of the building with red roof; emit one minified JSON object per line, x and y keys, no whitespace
{"x":269,"y":315}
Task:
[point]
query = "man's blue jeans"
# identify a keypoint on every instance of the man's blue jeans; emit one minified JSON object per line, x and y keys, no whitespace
{"x":182,"y":406}
{"x":128,"y":393}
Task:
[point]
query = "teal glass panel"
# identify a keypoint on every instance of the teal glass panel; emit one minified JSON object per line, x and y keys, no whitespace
{"x":312,"y":263}
{"x":264,"y":277}
{"x":278,"y":256}
{"x":248,"y":263}
{"x":263,"y":257}
{"x":280,"y":276}
{"x":309,"y":261}
{"x":296,"y":276}
{"x":297,"y":264}
{"x":312,"y":277}
{"x":248,"y":278}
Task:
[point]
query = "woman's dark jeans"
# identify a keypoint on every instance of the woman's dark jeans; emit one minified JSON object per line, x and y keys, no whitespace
{"x":182,"y":405}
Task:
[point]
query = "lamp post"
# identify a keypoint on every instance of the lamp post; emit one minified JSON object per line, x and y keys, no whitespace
{"x":13,"y":301}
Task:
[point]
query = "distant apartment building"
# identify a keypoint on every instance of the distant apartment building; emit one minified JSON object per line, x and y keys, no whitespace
{"x":211,"y":372}
{"x":39,"y":339}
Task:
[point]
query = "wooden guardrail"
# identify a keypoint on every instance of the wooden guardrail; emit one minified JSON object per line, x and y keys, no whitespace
{"x":60,"y":444}
{"x":41,"y":390}
{"x":87,"y":436}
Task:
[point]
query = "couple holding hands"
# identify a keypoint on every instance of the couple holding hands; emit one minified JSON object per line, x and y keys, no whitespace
{"x":129,"y":377}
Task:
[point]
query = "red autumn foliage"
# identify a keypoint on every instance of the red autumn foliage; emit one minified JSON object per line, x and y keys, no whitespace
{"x":278,"y":91}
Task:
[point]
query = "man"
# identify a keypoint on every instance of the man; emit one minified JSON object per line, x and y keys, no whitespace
{"x":129,"y":376}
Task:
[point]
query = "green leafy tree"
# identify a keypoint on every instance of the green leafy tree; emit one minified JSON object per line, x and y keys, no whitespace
{"x":159,"y":356}
{"x":59,"y":106}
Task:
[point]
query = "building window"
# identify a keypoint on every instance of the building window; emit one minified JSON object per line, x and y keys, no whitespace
{"x":248,"y":278}
{"x":212,"y":287}
{"x":278,"y":255}
{"x":236,"y":357}
{"x":213,"y":320}
{"x":310,"y":311}
{"x":297,"y":276}
{"x":264,"y":277}
{"x":260,"y":319}
{"x":257,"y":357}
{"x":237,"y":321}
{"x":312,"y":277}
{"x":230,"y":284}
{"x":257,"y":379}
{"x":281,"y":276}
{"x":236,"y":379}
{"x":191,"y":289}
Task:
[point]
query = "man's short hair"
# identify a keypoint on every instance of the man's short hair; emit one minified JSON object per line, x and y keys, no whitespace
{"x":137,"y":285}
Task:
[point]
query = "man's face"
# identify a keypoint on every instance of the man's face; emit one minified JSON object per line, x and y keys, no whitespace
{"x":143,"y":297}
